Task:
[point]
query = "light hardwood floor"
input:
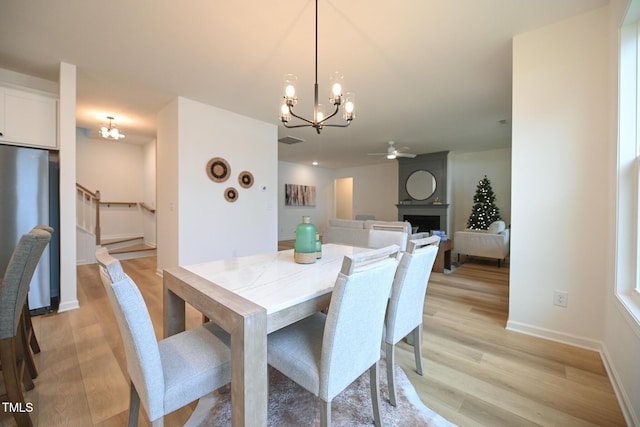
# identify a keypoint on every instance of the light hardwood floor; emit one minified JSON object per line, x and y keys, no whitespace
{"x":475,"y":372}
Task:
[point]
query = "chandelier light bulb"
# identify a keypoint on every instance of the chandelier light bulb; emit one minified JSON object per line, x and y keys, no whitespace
{"x":285,"y":112}
{"x":290,"y":83}
{"x":337,"y":83}
{"x":349,"y":106}
{"x":336,"y":89}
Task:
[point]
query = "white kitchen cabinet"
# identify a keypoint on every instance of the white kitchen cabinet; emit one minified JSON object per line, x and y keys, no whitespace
{"x":28,"y":118}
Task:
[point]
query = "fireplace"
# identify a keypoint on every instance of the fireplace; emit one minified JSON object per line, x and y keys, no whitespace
{"x":425,"y":223}
{"x":425,"y":216}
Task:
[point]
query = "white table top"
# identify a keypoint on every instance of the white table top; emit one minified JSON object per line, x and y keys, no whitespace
{"x":274,"y":280}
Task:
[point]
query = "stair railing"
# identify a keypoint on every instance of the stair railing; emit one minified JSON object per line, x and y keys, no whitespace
{"x":146,"y":207}
{"x":88,"y":204}
{"x":88,"y":210}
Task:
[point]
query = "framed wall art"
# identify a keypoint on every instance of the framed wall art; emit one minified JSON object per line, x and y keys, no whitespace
{"x":299,"y":195}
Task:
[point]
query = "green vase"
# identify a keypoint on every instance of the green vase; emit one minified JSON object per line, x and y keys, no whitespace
{"x":318,"y":247}
{"x":305,"y":246}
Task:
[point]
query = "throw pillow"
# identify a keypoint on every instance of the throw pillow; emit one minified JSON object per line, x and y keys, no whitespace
{"x":497,"y":227}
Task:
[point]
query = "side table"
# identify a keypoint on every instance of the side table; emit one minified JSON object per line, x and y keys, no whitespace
{"x":443,"y":259}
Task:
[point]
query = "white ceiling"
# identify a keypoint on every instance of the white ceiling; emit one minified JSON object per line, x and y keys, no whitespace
{"x":432,"y":75}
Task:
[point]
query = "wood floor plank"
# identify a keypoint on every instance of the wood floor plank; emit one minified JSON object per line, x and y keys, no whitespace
{"x":62,"y":398}
{"x":101,"y":374}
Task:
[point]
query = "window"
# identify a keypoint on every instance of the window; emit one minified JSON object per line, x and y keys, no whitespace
{"x":628,"y":190}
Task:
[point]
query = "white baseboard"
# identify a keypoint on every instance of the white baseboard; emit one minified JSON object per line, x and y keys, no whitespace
{"x":69,"y":305}
{"x":623,"y":399}
{"x":552,"y":335}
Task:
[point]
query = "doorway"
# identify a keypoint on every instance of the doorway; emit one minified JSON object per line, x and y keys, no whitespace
{"x":344,"y":198}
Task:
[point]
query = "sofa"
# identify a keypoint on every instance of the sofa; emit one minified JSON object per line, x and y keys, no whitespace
{"x":367,"y":233}
{"x":491,"y":243}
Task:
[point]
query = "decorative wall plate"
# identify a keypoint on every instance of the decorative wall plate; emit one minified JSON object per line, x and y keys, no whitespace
{"x":218,"y":169}
{"x":231,"y":194}
{"x":245,"y":179}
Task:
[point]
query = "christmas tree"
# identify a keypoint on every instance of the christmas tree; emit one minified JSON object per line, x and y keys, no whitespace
{"x":484,"y":210}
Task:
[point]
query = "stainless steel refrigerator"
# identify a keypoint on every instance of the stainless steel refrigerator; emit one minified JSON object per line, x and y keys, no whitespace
{"x":29,"y":195}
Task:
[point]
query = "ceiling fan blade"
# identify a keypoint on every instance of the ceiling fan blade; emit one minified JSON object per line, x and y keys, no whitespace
{"x":377,"y":154}
{"x":410,"y":156}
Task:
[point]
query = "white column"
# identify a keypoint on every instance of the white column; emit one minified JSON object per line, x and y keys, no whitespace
{"x":67,"y":144}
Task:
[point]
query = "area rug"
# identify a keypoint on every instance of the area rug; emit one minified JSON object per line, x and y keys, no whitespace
{"x":291,"y":405}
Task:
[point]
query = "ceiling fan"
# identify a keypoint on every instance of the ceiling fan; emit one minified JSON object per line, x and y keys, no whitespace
{"x":392,"y":152}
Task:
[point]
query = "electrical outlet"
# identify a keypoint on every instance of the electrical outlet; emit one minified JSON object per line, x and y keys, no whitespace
{"x":561,"y":298}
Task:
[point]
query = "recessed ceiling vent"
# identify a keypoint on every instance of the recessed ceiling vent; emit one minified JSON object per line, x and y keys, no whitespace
{"x":290,"y":140}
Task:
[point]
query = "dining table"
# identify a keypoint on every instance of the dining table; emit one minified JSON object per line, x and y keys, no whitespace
{"x":249,"y":297}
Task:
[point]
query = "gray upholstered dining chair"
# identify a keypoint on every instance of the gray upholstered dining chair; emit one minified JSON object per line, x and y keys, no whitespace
{"x":168,"y":374}
{"x":30,"y":333}
{"x":14,"y":350}
{"x":326,"y":353}
{"x":404,"y":313}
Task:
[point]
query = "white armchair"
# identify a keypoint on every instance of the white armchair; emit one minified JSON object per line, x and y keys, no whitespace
{"x":491,"y":243}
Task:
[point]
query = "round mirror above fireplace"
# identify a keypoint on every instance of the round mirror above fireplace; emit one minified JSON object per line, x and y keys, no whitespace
{"x":421,"y":184}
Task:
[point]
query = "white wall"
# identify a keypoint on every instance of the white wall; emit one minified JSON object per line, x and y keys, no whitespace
{"x":375,"y":189}
{"x":117,"y":170}
{"x":208,"y":227}
{"x":167,"y":186}
{"x":561,"y":147}
{"x":290,"y":216}
{"x":149,"y":191}
{"x":466,"y":169}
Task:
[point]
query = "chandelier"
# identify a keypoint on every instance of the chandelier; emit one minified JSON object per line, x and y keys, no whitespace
{"x":111,"y":132}
{"x":336,"y":98}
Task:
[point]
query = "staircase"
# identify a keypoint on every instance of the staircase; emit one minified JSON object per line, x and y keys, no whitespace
{"x":89,"y":235}
{"x":128,"y":248}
